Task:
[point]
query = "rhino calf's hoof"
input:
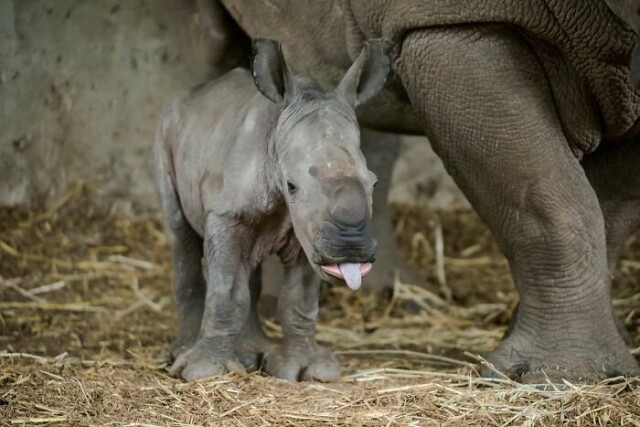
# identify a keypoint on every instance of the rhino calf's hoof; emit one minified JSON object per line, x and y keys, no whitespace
{"x":200,"y":362}
{"x":251,"y":357}
{"x":320,"y":365}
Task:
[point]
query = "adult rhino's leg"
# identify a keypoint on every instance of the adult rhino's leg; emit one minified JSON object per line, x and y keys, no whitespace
{"x":613,"y":173}
{"x":491,"y":119}
{"x":300,"y":357}
{"x":381,"y":151}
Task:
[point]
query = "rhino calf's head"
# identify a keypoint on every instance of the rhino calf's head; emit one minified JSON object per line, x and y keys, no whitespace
{"x":321,"y":172}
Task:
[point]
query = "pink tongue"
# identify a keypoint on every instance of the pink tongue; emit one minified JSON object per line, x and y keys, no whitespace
{"x":351,"y":274}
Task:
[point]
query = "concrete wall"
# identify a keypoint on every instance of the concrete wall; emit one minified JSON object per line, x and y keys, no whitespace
{"x":82,"y":84}
{"x":81,"y":87}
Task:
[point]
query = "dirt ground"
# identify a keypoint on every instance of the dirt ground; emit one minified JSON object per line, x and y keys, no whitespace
{"x":86,"y":311}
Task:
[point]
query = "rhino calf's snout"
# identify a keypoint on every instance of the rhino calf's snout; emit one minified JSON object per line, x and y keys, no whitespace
{"x":345,"y":236}
{"x":336,"y":243}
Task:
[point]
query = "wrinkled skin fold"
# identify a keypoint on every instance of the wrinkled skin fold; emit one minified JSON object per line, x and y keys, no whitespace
{"x":533,"y":110}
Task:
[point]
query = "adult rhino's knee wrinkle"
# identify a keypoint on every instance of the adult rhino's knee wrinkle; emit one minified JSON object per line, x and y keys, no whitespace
{"x":272,"y":170}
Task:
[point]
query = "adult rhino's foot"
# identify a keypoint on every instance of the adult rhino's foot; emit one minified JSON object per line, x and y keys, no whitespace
{"x":586,"y":360}
{"x":318,"y":364}
{"x":205,"y":360}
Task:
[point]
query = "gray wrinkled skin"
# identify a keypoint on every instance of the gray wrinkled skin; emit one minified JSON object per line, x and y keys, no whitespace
{"x":248,"y":167}
{"x":533,"y":108}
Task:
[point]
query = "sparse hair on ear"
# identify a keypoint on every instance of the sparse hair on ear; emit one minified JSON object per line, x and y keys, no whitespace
{"x":271,"y":74}
{"x":368,"y":73}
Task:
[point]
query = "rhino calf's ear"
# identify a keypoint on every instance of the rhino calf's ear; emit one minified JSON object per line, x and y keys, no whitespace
{"x":368,"y":73}
{"x":270,"y":72}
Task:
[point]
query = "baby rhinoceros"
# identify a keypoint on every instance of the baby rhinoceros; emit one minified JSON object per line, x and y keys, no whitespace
{"x":244,"y":173}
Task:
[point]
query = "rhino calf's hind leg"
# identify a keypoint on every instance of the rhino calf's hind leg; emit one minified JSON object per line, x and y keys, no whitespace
{"x":300,"y":357}
{"x":227,"y":302}
{"x":186,"y":250}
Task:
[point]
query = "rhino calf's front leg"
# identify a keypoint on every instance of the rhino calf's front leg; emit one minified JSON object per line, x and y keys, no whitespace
{"x":300,"y":357}
{"x":227,"y":301}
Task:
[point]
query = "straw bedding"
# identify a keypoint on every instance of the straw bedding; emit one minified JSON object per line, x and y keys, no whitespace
{"x":86,"y":311}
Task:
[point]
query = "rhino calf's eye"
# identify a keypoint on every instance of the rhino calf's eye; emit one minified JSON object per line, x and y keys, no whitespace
{"x":291,"y":188}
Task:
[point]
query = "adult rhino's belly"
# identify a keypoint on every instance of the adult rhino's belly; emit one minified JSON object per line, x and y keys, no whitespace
{"x":313,"y":32}
{"x":315,"y":38}
{"x":390,"y":111}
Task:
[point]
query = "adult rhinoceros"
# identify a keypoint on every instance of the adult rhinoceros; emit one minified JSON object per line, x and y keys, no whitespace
{"x":531,"y":108}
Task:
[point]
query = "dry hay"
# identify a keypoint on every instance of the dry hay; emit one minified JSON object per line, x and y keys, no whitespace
{"x":86,"y":310}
